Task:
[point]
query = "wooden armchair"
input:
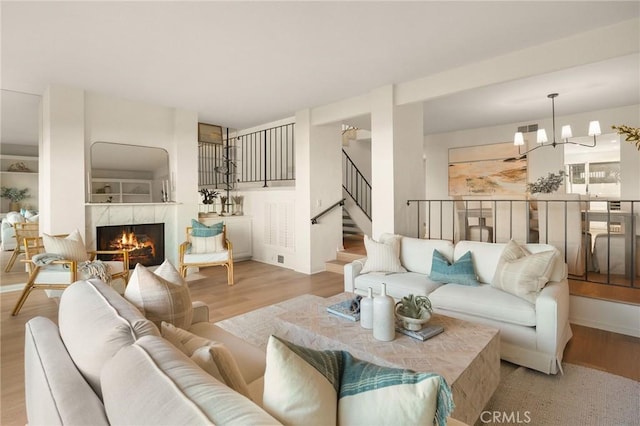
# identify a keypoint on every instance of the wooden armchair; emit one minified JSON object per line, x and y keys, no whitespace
{"x":22,"y":230}
{"x":202,"y":253}
{"x":58,"y":274}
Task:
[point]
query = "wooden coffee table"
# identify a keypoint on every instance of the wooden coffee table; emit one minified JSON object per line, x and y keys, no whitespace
{"x":466,"y":354}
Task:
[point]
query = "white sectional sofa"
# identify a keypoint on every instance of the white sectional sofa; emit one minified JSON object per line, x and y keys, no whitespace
{"x":107,"y":364}
{"x":533,"y":335}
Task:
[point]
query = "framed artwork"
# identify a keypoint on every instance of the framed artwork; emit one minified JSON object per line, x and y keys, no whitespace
{"x":495,"y":169}
{"x":209,"y":133}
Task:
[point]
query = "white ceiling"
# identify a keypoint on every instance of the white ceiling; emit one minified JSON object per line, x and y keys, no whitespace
{"x":240,"y":64}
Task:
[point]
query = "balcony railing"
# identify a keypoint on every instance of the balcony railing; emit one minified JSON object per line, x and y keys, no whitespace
{"x":259,"y":157}
{"x":598,"y":239}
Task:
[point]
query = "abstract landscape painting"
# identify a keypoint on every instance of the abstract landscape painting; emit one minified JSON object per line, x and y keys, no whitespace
{"x":495,"y":169}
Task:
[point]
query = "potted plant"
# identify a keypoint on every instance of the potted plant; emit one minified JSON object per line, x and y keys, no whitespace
{"x":15,"y":195}
{"x":414,"y":311}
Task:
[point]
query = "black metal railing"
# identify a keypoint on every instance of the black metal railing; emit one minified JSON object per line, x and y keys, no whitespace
{"x":598,"y":239}
{"x":267,"y":155}
{"x":356,"y":184}
{"x":262,"y":156}
{"x":314,"y":220}
{"x":210,"y":160}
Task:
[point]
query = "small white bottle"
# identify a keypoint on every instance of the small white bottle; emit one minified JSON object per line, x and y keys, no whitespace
{"x":383,"y":317}
{"x":366,"y":310}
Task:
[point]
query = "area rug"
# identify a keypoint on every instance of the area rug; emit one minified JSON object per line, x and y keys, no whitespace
{"x":581,"y":397}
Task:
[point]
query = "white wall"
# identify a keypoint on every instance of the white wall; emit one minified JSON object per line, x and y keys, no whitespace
{"x":360,"y":153}
{"x":272,"y":212}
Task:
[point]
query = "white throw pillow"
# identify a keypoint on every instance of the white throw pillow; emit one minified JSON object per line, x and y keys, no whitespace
{"x":161,"y":295}
{"x":521,"y":273}
{"x":213,"y":244}
{"x":383,"y":256}
{"x":213,"y":357}
{"x":70,"y":247}
{"x":301,"y":387}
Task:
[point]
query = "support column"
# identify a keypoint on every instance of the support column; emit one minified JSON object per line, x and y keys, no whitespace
{"x":62,"y":198}
{"x":318,"y":186}
{"x":397,"y":170}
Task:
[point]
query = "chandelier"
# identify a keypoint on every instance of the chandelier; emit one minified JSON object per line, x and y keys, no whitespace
{"x":565,"y":134}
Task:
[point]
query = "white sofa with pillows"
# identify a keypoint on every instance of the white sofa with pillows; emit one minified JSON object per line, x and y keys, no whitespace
{"x":151,"y":357}
{"x":520,"y":289}
{"x":8,"y":233}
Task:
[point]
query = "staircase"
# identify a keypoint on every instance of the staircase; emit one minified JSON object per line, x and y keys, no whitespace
{"x":342,"y":258}
{"x":349,"y":227}
{"x":353,"y":250}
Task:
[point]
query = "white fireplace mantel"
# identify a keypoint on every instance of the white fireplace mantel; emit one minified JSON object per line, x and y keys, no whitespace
{"x":105,"y":214}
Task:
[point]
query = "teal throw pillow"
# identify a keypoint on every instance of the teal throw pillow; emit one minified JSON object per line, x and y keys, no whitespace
{"x":201,"y":230}
{"x":460,"y":272}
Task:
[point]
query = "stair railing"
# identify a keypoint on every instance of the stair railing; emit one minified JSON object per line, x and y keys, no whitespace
{"x":314,"y":220}
{"x":356,"y":184}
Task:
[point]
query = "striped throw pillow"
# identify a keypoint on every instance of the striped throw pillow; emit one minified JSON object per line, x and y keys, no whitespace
{"x":161,"y":295}
{"x":382,"y":256}
{"x":70,"y":247}
{"x":521,"y":273}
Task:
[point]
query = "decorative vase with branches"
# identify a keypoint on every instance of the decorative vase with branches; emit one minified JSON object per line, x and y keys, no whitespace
{"x":15,"y":195}
{"x":547,"y":184}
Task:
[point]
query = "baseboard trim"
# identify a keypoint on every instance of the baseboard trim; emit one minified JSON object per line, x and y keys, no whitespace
{"x":12,"y":287}
{"x":616,"y":317}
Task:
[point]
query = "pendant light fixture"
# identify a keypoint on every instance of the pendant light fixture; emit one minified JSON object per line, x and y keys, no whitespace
{"x":565,"y":133}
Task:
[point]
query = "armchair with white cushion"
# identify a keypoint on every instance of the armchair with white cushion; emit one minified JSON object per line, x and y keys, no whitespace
{"x":206,"y":246}
{"x":56,"y":261}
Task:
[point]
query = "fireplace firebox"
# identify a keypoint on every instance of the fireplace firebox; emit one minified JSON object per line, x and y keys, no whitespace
{"x":144,"y":242}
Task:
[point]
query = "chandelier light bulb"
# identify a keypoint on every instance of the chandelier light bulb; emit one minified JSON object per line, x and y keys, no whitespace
{"x":542,"y":136}
{"x":518,"y":139}
{"x":594,"y":128}
{"x":566,"y":132}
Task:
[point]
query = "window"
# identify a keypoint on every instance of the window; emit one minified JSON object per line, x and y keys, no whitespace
{"x":594,"y":171}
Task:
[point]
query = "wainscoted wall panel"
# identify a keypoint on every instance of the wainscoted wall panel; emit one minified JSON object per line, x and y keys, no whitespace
{"x":127,"y":214}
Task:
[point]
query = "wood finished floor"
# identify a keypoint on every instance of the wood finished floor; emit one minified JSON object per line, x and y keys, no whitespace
{"x":259,"y":285}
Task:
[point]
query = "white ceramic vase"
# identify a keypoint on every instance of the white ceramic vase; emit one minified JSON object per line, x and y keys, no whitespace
{"x":366,"y":310}
{"x":383,"y":316}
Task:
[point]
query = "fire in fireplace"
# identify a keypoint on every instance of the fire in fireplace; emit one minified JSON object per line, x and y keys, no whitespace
{"x":144,"y":242}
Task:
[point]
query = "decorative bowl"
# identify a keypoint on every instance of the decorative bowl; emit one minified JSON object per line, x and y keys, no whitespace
{"x":413,"y":324}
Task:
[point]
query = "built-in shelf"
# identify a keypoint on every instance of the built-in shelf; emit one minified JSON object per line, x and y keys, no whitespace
{"x":119,"y":191}
{"x":23,"y":174}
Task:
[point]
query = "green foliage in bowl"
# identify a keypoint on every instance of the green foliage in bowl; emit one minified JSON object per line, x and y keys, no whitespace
{"x":414,"y":307}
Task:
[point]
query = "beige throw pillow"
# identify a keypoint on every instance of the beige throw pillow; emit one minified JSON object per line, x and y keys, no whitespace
{"x":213,"y":357}
{"x":70,"y":247}
{"x":521,"y":273}
{"x":383,"y":256}
{"x":161,"y":295}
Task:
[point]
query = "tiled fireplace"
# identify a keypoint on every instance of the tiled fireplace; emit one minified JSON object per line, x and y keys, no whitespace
{"x":144,"y":242}
{"x":123,"y":215}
